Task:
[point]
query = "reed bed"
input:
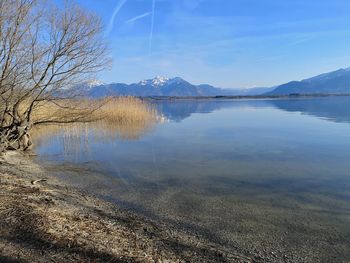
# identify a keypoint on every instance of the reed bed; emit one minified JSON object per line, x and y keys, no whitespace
{"x":125,"y":110}
{"x":104,"y":120}
{"x":113,"y":109}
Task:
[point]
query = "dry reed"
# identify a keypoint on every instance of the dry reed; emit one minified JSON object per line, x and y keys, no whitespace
{"x":107,"y":119}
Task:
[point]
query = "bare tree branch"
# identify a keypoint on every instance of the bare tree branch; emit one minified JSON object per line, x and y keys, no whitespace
{"x":44,"y":49}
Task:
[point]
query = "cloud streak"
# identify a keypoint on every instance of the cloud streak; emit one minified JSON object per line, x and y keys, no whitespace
{"x":152,"y":26}
{"x":115,"y":13}
{"x":134,"y":19}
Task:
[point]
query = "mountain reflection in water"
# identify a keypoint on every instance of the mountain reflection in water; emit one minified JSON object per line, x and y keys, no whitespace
{"x":257,"y":174}
{"x":334,"y":109}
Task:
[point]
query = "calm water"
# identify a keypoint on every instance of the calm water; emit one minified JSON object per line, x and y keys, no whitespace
{"x":247,"y":173}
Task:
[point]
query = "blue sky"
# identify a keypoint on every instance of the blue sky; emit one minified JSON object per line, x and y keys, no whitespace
{"x":226,"y":43}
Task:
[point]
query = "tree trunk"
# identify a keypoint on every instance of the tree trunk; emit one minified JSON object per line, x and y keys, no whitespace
{"x":15,"y":138}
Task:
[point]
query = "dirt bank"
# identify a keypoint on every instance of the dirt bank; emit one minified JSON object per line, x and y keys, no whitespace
{"x":47,"y":221}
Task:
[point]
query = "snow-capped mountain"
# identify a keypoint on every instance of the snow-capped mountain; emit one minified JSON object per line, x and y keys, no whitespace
{"x":336,"y":82}
{"x":158,"y":86}
{"x":94,"y":83}
{"x":163,"y":86}
{"x":156,"y":82}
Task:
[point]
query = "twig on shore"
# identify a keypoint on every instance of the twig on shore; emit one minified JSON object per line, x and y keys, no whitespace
{"x":38,"y":181}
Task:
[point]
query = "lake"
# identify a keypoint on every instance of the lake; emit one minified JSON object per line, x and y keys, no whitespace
{"x":270,"y":176}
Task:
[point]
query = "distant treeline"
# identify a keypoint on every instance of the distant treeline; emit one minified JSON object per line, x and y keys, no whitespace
{"x":296,"y":95}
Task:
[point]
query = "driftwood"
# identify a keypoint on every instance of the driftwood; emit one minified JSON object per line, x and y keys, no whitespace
{"x":34,"y":182}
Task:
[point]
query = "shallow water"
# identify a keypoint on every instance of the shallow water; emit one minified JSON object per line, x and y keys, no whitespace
{"x":251,"y":174}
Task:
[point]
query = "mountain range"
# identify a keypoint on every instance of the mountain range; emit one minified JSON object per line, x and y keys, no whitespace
{"x":336,"y":82}
{"x":161,"y":86}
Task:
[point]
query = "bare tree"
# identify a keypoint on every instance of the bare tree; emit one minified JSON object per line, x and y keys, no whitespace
{"x":44,"y":49}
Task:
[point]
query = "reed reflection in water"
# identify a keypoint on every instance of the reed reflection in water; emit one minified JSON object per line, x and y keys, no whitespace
{"x":270,"y":175}
{"x":124,"y":118}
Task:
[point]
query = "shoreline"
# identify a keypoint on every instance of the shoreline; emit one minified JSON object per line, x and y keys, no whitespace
{"x":240,"y":97}
{"x":48,"y":221}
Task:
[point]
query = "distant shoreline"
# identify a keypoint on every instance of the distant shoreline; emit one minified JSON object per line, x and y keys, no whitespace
{"x":290,"y":96}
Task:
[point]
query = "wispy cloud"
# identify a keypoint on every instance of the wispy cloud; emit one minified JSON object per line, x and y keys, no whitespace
{"x":115,"y":13}
{"x":134,"y":19}
{"x":152,"y":26}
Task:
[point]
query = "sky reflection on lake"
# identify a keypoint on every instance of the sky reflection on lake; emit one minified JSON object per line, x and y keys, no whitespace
{"x":229,"y":168}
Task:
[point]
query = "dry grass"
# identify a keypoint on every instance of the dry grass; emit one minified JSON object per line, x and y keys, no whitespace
{"x":104,"y":120}
{"x":127,"y":116}
{"x":123,"y":110}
